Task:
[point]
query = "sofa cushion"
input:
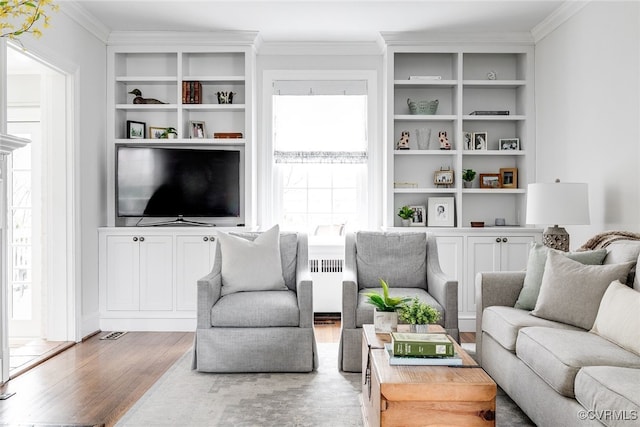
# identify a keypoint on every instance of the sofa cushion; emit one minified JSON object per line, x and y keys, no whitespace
{"x":251,"y":265}
{"x":618,"y":318}
{"x":571,"y":292}
{"x":603,"y":389}
{"x":364,"y":310}
{"x":256,"y":309}
{"x":556,"y":355}
{"x":535,"y":269}
{"x":503,"y":324}
{"x":398,"y":258}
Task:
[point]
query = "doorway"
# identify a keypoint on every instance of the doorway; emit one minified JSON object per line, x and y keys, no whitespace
{"x":35,"y":109}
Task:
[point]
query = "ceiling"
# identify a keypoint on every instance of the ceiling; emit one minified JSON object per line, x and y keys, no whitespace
{"x":320,"y":21}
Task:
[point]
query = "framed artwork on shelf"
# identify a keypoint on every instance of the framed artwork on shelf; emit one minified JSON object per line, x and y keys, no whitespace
{"x":419,"y":216}
{"x":156,"y":132}
{"x":489,"y":180}
{"x":467,"y":140}
{"x":509,"y":177}
{"x":441,"y":212}
{"x":197,"y":130}
{"x":509,"y":144}
{"x":480,"y":140}
{"x":136,"y":130}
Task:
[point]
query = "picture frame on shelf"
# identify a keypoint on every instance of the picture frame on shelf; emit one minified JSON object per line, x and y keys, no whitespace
{"x":156,"y":132}
{"x":480,"y":140}
{"x":467,"y":140}
{"x":443,"y":178}
{"x":136,"y":130}
{"x":419,"y":216}
{"x":490,"y":180}
{"x":441,"y":212}
{"x":509,"y":144}
{"x":509,"y":177}
{"x":197,"y":130}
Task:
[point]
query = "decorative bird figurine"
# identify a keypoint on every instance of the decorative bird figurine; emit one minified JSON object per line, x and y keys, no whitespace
{"x":140,"y":100}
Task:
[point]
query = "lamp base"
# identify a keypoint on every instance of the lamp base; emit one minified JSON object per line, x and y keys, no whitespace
{"x":556,"y":238}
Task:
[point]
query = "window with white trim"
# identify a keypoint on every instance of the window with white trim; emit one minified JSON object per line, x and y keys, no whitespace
{"x":320,"y":154}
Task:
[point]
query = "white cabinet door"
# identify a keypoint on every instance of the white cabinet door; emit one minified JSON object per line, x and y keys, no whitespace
{"x":194,"y":260}
{"x":122,"y":273}
{"x":156,"y":272}
{"x":515,"y":252}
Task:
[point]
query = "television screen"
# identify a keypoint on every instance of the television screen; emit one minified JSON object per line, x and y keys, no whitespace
{"x":174,"y":182}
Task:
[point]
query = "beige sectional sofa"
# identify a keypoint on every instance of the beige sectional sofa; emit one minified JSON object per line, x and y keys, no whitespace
{"x":564,"y":372}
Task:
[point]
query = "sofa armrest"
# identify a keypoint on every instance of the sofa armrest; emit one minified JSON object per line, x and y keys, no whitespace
{"x":349,"y":298}
{"x":444,"y":290}
{"x":495,"y":288}
{"x":209,"y":289}
{"x":304,"y":291}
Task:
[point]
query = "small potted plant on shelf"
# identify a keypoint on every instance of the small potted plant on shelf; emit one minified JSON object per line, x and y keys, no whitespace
{"x":468,"y":175}
{"x":406,"y":214}
{"x":418,"y":315}
{"x":385,"y":315}
{"x":169,"y":133}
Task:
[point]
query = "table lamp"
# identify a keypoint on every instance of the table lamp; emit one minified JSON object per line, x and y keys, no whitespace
{"x":557,"y":203}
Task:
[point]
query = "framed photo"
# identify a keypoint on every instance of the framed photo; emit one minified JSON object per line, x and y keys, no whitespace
{"x":509,"y":177}
{"x":509,"y":144}
{"x":155,"y":132}
{"x":197,"y":130}
{"x":441,"y":212}
{"x":419,"y":216}
{"x":490,"y":180}
{"x":480,"y":140}
{"x":136,"y":130}
{"x":443,"y":178}
{"x":467,"y":140}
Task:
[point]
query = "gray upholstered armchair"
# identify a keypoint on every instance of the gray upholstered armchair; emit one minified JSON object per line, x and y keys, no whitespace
{"x":258,"y":331}
{"x":409,"y":263}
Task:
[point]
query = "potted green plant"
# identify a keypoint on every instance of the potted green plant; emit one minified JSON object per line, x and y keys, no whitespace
{"x":468,"y":175}
{"x":169,"y":133}
{"x":418,"y":315}
{"x":406,"y":214}
{"x":385,"y":316}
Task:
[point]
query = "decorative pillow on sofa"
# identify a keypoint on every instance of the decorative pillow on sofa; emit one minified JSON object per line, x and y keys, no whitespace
{"x":618,"y":318}
{"x":571,"y":292}
{"x":535,"y":269}
{"x":251,"y":265}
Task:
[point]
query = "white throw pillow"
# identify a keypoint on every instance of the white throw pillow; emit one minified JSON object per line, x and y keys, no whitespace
{"x":618,"y":318}
{"x":251,"y":265}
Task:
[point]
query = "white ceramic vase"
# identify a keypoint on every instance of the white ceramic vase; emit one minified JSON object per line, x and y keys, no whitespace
{"x":420,"y":329}
{"x":385,"y":321}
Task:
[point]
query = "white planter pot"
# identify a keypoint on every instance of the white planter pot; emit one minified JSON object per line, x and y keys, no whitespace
{"x":406,"y":222}
{"x":420,"y":329}
{"x":385,"y":321}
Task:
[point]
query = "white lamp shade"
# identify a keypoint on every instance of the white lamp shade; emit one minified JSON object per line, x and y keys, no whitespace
{"x":558,"y":203}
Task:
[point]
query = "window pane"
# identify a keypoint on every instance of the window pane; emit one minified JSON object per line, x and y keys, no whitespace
{"x":21,"y":157}
{"x":319,"y":201}
{"x":294,"y":200}
{"x":21,"y":188}
{"x":344,"y":201}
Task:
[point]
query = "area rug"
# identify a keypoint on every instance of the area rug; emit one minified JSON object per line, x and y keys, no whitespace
{"x":323,"y":398}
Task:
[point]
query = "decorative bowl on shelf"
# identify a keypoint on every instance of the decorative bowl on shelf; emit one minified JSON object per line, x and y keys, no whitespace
{"x":477,"y":223}
{"x":422,"y":107}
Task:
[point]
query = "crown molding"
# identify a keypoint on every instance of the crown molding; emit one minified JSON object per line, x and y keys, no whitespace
{"x":556,"y":18}
{"x":320,"y":48}
{"x":89,"y":22}
{"x":393,"y":38}
{"x":181,"y":38}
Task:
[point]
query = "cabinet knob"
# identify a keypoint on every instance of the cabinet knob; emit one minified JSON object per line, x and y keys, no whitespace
{"x":505,"y":240}
{"x":141,"y":239}
{"x":498,"y":240}
{"x":205,"y":238}
{"x":211,"y":238}
{"x":135,"y":239}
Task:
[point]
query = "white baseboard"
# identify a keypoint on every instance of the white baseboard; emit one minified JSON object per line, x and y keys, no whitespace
{"x":467,"y":324}
{"x":148,"y":325}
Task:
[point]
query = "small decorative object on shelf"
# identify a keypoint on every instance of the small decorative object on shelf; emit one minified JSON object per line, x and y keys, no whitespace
{"x":406,"y":215}
{"x":444,"y":140}
{"x":467,"y":138}
{"x":492,"y":75}
{"x":490,"y":180}
{"x":477,"y":224}
{"x":468,"y":175}
{"x":197,"y":129}
{"x":423,"y":107}
{"x":403,"y":142}
{"x":489,"y":113}
{"x":225,"y":97}
{"x":509,"y":177}
{"x":140,"y":100}
{"x":424,"y":138}
{"x":509,"y":144}
{"x":136,"y":130}
{"x":425,"y":77}
{"x":385,"y":316}
{"x":480,"y":140}
{"x":443,"y":178}
{"x":169,"y":133}
{"x":418,"y":314}
{"x":227,"y":135}
{"x":419,"y":218}
{"x":441,"y":213}
{"x":405,"y":185}
{"x":191,"y":92}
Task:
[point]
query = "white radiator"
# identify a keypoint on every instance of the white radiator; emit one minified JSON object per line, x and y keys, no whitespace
{"x":325,"y":264}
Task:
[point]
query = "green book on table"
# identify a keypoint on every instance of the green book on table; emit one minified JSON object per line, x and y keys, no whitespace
{"x":421,"y":345}
{"x":455,"y":360}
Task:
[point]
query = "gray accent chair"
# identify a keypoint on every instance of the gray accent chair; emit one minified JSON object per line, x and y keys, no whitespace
{"x":409,"y":262}
{"x":260,"y":331}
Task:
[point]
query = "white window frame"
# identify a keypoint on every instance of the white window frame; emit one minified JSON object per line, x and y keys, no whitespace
{"x":268,"y":186}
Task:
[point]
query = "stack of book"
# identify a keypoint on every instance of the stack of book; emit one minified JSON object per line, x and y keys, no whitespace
{"x":421,"y":349}
{"x":191,"y":92}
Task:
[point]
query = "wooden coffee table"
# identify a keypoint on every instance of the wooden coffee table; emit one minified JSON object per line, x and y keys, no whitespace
{"x":423,"y":395}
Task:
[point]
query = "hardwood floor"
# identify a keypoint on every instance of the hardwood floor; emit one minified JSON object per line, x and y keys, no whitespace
{"x":97,"y":381}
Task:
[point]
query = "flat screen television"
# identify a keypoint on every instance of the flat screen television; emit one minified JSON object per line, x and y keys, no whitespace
{"x":172,"y":182}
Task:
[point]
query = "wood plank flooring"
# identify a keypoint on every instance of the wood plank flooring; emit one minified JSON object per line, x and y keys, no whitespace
{"x":97,"y":381}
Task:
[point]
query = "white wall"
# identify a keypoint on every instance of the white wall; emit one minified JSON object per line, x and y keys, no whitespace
{"x":588,"y":114}
{"x":70,"y":48}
